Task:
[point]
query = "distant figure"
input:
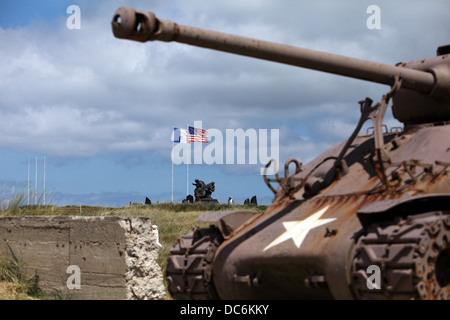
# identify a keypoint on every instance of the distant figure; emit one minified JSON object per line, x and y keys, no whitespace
{"x":156,"y":235}
{"x":230,"y":201}
{"x":147,"y":201}
{"x":246,"y":202}
{"x":254,"y":200}
{"x":189,"y":199}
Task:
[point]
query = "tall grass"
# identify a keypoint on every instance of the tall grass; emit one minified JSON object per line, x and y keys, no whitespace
{"x":14,"y":284}
{"x":15,"y":200}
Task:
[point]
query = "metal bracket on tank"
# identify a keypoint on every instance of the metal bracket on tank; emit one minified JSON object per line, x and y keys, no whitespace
{"x":376,"y":114}
{"x":287,"y":183}
{"x":378,"y":111}
{"x":380,"y":160}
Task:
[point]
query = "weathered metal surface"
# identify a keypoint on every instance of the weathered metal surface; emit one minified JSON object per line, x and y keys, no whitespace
{"x":327,"y":248}
{"x":378,"y":200}
{"x":414,"y":256}
{"x":189,"y":265}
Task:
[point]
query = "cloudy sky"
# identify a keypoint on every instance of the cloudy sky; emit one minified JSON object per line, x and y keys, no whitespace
{"x":101,"y":110}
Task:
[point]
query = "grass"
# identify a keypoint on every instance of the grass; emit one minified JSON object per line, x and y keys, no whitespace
{"x":16,"y":199}
{"x":14,"y":283}
{"x":172,"y":219}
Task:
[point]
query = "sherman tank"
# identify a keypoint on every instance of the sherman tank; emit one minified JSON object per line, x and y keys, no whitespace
{"x":367,"y":219}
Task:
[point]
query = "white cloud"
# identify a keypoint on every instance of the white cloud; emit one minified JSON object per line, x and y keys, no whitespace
{"x":81,"y":92}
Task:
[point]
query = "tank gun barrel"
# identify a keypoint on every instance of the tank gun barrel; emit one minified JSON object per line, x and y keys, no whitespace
{"x":143,"y":26}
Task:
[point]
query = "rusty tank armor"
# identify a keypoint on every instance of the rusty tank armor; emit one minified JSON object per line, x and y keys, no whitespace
{"x":377,"y":202}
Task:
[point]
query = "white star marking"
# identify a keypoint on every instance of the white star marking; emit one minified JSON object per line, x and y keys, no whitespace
{"x":297,"y":230}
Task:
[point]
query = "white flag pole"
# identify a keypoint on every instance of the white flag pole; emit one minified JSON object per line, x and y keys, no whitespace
{"x":35,"y":184}
{"x":188,"y":159}
{"x":28,"y":186}
{"x":173,"y":142}
{"x":44,"y":180}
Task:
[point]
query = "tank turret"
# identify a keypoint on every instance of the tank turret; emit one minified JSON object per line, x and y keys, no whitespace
{"x":369,"y":218}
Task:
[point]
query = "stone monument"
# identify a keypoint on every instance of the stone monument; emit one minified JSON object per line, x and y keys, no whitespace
{"x":203,"y":192}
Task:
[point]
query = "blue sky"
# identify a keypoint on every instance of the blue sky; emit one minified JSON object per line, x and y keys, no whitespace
{"x":22,"y":13}
{"x":101,"y":110}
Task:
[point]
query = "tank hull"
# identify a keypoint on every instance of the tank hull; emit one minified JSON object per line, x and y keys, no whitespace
{"x":304,"y":248}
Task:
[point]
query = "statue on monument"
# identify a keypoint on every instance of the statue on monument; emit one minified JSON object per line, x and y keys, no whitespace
{"x":203,"y":192}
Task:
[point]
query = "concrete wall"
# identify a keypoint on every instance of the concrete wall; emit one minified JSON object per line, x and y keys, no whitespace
{"x":116,"y":256}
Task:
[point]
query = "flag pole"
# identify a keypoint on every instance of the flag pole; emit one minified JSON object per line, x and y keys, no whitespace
{"x":35,"y":184}
{"x":44,"y":181}
{"x":173,"y":141}
{"x":189,"y":159}
{"x":28,"y":186}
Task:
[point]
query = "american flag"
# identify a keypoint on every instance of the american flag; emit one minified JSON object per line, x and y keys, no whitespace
{"x":197,"y":135}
